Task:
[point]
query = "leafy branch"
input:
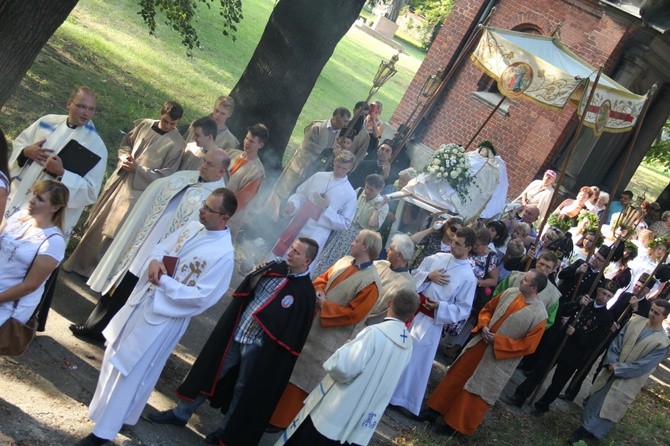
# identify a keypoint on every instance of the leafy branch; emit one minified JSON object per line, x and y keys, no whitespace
{"x":180,"y":15}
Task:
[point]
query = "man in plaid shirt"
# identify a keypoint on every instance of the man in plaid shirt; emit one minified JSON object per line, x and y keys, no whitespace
{"x":248,"y":359}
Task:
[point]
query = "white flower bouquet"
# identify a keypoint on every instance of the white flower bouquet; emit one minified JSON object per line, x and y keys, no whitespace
{"x":450,"y":164}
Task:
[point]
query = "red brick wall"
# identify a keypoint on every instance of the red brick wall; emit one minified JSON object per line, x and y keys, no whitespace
{"x":530,"y":135}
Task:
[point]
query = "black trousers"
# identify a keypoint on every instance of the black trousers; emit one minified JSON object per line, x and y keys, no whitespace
{"x":562,"y":375}
{"x":109,"y":305}
{"x":306,"y":434}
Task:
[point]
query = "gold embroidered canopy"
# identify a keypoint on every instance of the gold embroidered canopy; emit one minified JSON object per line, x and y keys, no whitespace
{"x":543,"y":70}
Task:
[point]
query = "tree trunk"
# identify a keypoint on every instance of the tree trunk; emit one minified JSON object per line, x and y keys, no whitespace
{"x":394,"y":10}
{"x":298,"y":40}
{"x":664,"y":198}
{"x":26,"y":27}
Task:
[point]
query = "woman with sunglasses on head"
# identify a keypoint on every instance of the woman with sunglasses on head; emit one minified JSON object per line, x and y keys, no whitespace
{"x":31,"y":247}
{"x":436,"y":238}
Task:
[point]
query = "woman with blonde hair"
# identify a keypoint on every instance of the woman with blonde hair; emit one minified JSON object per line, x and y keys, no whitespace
{"x":31,"y":247}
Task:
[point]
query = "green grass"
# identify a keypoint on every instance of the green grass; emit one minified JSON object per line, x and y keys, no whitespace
{"x":106,"y":45}
{"x":645,"y":423}
{"x":648,"y":180}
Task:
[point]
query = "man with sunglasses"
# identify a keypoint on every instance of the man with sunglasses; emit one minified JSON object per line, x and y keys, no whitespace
{"x":167,"y":205}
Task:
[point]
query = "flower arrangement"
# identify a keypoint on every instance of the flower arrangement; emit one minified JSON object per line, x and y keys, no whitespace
{"x":659,"y":241}
{"x":449,"y":164}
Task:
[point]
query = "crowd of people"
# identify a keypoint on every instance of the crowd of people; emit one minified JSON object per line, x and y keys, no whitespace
{"x":348,"y":318}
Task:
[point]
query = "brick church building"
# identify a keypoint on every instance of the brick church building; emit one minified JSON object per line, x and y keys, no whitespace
{"x":531,"y":138}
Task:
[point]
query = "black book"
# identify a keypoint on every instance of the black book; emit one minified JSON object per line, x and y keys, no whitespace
{"x":77,"y":158}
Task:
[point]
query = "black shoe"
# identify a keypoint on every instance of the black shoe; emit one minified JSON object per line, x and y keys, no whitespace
{"x":566,"y":397}
{"x":539,"y":410}
{"x":166,"y":417}
{"x":214,"y":437}
{"x":428,"y":414}
{"x":580,"y":434}
{"x":514,"y":400}
{"x":92,"y":440}
{"x":82,"y":331}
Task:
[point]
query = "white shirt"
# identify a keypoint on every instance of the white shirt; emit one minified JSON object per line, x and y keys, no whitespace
{"x":19,"y":243}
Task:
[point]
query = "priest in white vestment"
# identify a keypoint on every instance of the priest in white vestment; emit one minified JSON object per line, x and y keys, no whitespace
{"x":167,"y":205}
{"x":446,"y":285}
{"x":37,"y":148}
{"x":142,"y":335}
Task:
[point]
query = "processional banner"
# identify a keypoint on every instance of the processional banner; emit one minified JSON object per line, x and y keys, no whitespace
{"x":543,"y":70}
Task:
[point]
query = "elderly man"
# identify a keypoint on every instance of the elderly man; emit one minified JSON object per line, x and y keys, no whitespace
{"x":634,"y":354}
{"x":35,"y":156}
{"x":394,"y":275}
{"x":224,"y":107}
{"x":167,"y":205}
{"x":346,"y":293}
{"x":142,"y":335}
{"x":254,"y":346}
{"x":446,"y":286}
{"x":319,"y":135}
{"x":538,"y":193}
{"x":508,"y":327}
{"x":151,"y":150}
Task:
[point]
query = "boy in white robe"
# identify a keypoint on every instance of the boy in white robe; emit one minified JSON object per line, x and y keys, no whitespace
{"x":447,"y":284}
{"x":348,"y":404}
{"x":142,"y":335}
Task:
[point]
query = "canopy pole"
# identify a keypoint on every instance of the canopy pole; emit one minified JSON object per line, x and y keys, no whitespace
{"x":568,"y":155}
{"x":638,"y":125}
{"x":471,"y":41}
{"x":488,"y":118}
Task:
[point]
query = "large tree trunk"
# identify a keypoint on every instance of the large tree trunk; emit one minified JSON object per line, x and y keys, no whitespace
{"x":26,"y":26}
{"x":394,"y":10}
{"x":298,"y":40}
{"x":664,"y":198}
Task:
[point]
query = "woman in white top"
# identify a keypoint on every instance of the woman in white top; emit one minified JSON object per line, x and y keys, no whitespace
{"x":4,"y":175}
{"x":31,"y":247}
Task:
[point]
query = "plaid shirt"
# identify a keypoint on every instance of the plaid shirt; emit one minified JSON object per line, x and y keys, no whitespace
{"x":248,"y":330}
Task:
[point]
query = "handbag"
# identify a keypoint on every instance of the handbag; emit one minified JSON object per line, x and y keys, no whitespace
{"x":15,"y":336}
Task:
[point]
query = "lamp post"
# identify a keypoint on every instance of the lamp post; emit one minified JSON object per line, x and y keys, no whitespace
{"x":429,"y":88}
{"x":385,"y":72}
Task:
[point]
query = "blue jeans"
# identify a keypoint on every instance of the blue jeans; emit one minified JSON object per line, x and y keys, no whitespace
{"x":245,"y":355}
